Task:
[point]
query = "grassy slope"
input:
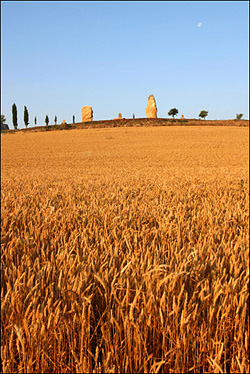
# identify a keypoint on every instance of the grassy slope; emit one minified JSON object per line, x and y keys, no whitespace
{"x":139,"y":122}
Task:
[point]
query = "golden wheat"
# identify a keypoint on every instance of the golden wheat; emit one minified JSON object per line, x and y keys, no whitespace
{"x":125,"y":250}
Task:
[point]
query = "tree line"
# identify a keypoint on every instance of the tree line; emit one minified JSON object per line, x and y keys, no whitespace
{"x":172,"y":112}
{"x":26,"y":117}
{"x":203,"y":113}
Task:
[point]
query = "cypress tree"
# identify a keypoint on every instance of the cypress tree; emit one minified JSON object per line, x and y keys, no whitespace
{"x":47,"y":120}
{"x":14,"y":116}
{"x":26,"y":116}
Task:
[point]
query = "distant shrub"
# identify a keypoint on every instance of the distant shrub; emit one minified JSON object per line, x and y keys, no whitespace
{"x":67,"y":126}
{"x":203,"y":114}
{"x":173,"y":112}
{"x":182,"y":121}
{"x":239,"y":116}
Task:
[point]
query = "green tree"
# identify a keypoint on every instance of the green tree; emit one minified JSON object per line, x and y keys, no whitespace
{"x":239,"y":116}
{"x":26,"y":116}
{"x":133,"y":115}
{"x":173,"y":112}
{"x":3,"y":119}
{"x":203,"y":114}
{"x":73,"y":119}
{"x":35,"y":121}
{"x":47,"y":120}
{"x":14,"y":116}
{"x":55,"y":120}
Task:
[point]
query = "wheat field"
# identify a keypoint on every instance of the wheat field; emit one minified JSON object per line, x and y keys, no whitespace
{"x":125,"y":250}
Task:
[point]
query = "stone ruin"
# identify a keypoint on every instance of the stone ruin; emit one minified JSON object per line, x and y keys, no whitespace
{"x":87,"y":114}
{"x":151,"y":110}
{"x":4,"y":126}
{"x":119,"y":116}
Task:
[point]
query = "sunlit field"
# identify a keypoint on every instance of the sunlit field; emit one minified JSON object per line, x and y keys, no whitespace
{"x":125,"y":250}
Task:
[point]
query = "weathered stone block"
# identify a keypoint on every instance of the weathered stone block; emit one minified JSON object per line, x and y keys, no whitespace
{"x":119,"y":116}
{"x":151,"y":110}
{"x":87,"y":113}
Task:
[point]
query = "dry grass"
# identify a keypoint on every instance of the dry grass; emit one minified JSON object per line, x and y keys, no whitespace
{"x":137,"y":122}
{"x":125,"y":250}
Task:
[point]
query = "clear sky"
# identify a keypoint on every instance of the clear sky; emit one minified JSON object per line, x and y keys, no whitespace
{"x":57,"y":57}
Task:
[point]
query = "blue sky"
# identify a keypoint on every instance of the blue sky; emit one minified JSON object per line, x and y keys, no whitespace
{"x":57,"y":57}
